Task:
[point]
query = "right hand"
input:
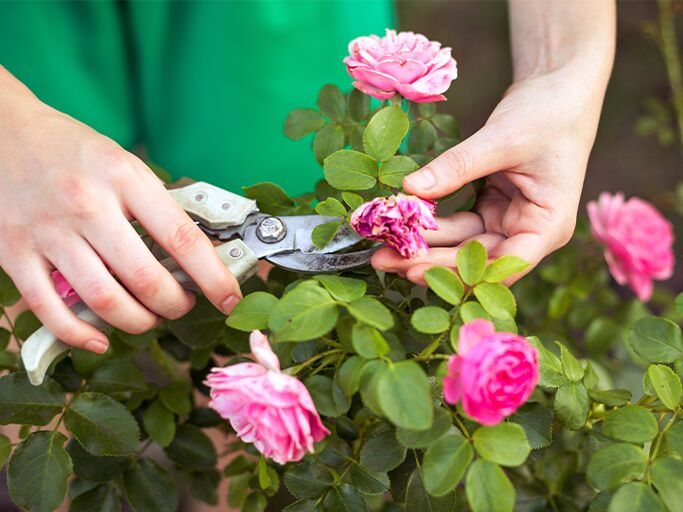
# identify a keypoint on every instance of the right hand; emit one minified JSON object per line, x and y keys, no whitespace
{"x":67,"y":196}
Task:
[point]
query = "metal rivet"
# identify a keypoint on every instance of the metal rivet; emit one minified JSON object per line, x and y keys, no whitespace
{"x":235,"y":252}
{"x":271,"y":230}
{"x":227,"y":205}
{"x":199,"y":197}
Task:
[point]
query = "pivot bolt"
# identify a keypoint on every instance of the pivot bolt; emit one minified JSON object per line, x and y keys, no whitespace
{"x":271,"y":230}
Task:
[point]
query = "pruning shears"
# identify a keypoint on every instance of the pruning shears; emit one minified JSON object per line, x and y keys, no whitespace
{"x":246,"y":236}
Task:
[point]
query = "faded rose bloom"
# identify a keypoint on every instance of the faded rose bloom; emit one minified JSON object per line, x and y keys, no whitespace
{"x":638,"y":241}
{"x":64,"y":289}
{"x":493,"y":373}
{"x":271,"y":409}
{"x":396,"y":221}
{"x":407,"y":63}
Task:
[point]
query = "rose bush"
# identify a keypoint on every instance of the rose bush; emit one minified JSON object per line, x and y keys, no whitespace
{"x":370,"y":393}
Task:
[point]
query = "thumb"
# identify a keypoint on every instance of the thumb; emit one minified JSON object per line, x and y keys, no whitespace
{"x":482,"y":154}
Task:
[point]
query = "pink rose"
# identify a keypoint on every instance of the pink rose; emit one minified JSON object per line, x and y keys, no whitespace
{"x":407,"y":63}
{"x":64,"y":289}
{"x":271,"y":409}
{"x":493,"y":373}
{"x":396,"y":221}
{"x":638,"y":241}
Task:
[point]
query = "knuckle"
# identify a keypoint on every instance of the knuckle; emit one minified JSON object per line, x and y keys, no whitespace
{"x":78,"y":198}
{"x":35,"y":300}
{"x":458,"y":162}
{"x":100,"y":296}
{"x":185,"y":237}
{"x":145,"y":280}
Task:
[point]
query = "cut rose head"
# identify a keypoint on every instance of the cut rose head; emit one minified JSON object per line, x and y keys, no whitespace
{"x":270,"y":409}
{"x":638,"y":241}
{"x":405,"y":63}
{"x":396,"y":221}
{"x":492,"y":374}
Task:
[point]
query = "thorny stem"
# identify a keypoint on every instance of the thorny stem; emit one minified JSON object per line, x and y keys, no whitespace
{"x":669,"y":48}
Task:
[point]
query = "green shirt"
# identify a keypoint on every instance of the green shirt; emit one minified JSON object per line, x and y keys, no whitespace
{"x":203,"y":86}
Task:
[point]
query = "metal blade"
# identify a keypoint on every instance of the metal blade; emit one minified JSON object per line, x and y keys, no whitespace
{"x":322,"y":263}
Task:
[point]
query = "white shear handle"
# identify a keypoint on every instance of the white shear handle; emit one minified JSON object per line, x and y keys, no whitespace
{"x":42,"y":347}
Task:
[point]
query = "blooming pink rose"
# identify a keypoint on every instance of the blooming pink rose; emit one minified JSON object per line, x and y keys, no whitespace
{"x":638,"y":241}
{"x":64,"y":289}
{"x":407,"y":63}
{"x":271,"y":409}
{"x":493,"y":373}
{"x":396,"y":221}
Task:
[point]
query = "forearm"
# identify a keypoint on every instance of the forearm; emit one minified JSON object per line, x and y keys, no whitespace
{"x":549,"y":35}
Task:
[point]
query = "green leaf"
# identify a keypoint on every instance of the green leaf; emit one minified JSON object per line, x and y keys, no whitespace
{"x":370,"y":378}
{"x":93,"y":468}
{"x":447,"y":124}
{"x":117,"y":375}
{"x":560,"y":302}
{"x":549,"y":365}
{"x":372,"y":312}
{"x":353,"y":200}
{"x":537,"y":423}
{"x":418,"y":499}
{"x":488,"y":488}
{"x":149,"y":488}
{"x":85,"y":362}
{"x":38,"y":471}
{"x":304,"y":313}
{"x":201,"y":327}
{"x":5,"y":449}
{"x":675,"y":437}
{"x":572,"y":404}
{"x":321,"y":388}
{"x":159,"y":423}
{"x":382,"y":452}
{"x":191,"y":448}
{"x":635,"y":497}
{"x":445,"y":463}
{"x":350,"y":374}
{"x":327,"y":141}
{"x":600,"y":334}
{"x":678,"y":303}
{"x":332,"y":102}
{"x":271,"y":199}
{"x":423,"y":438}
{"x":571,"y":367}
{"x":615,"y":464}
{"x":384,"y":133}
{"x":252,"y":312}
{"x":631,"y":423}
{"x":5,"y":336}
{"x":302,"y":121}
{"x":471,"y":262}
{"x":102,"y":498}
{"x":343,"y":288}
{"x":496,"y":299}
{"x":237,"y":490}
{"x":358,"y":105}
{"x":308,"y":481}
{"x":505,"y":444}
{"x":330,"y":207}
{"x":666,"y":385}
{"x":9,"y":294}
{"x":102,"y":425}
{"x":667,"y":476}
{"x":405,"y":396}
{"x":344,"y":498}
{"x":612,"y":397}
{"x":421,"y":137}
{"x":323,"y":234}
{"x":445,"y":283}
{"x":395,"y":169}
{"x":26,"y":324}
{"x":657,"y":340}
{"x":504,"y":267}
{"x":368,"y":481}
{"x":430,"y":319}
{"x":350,"y":170}
{"x":23,"y":403}
{"x":368,"y":341}
{"x":176,"y":397}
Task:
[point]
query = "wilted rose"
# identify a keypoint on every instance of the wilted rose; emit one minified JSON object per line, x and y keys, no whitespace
{"x":492,"y":374}
{"x":638,"y":241}
{"x":396,"y":221}
{"x":270,"y":409}
{"x":407,"y":63}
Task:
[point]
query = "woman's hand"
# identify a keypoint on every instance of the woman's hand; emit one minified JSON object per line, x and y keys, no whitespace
{"x":533,"y":149}
{"x":67,"y":196}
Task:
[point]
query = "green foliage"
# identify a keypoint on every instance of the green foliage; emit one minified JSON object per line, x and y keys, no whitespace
{"x":471,"y":261}
{"x":488,"y":488}
{"x":505,"y":444}
{"x":385,"y":132}
{"x":615,"y":464}
{"x":445,"y":463}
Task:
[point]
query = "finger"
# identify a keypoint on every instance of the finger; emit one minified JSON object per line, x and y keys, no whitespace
{"x":87,"y":274}
{"x":531,"y":247}
{"x":180,"y":237}
{"x":31,"y":275}
{"x":480,"y":155}
{"x":454,"y":229}
{"x":127,"y":255}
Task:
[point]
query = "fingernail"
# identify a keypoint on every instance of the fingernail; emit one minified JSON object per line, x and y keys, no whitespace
{"x":423,"y":179}
{"x":98,"y":346}
{"x":229,"y":304}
